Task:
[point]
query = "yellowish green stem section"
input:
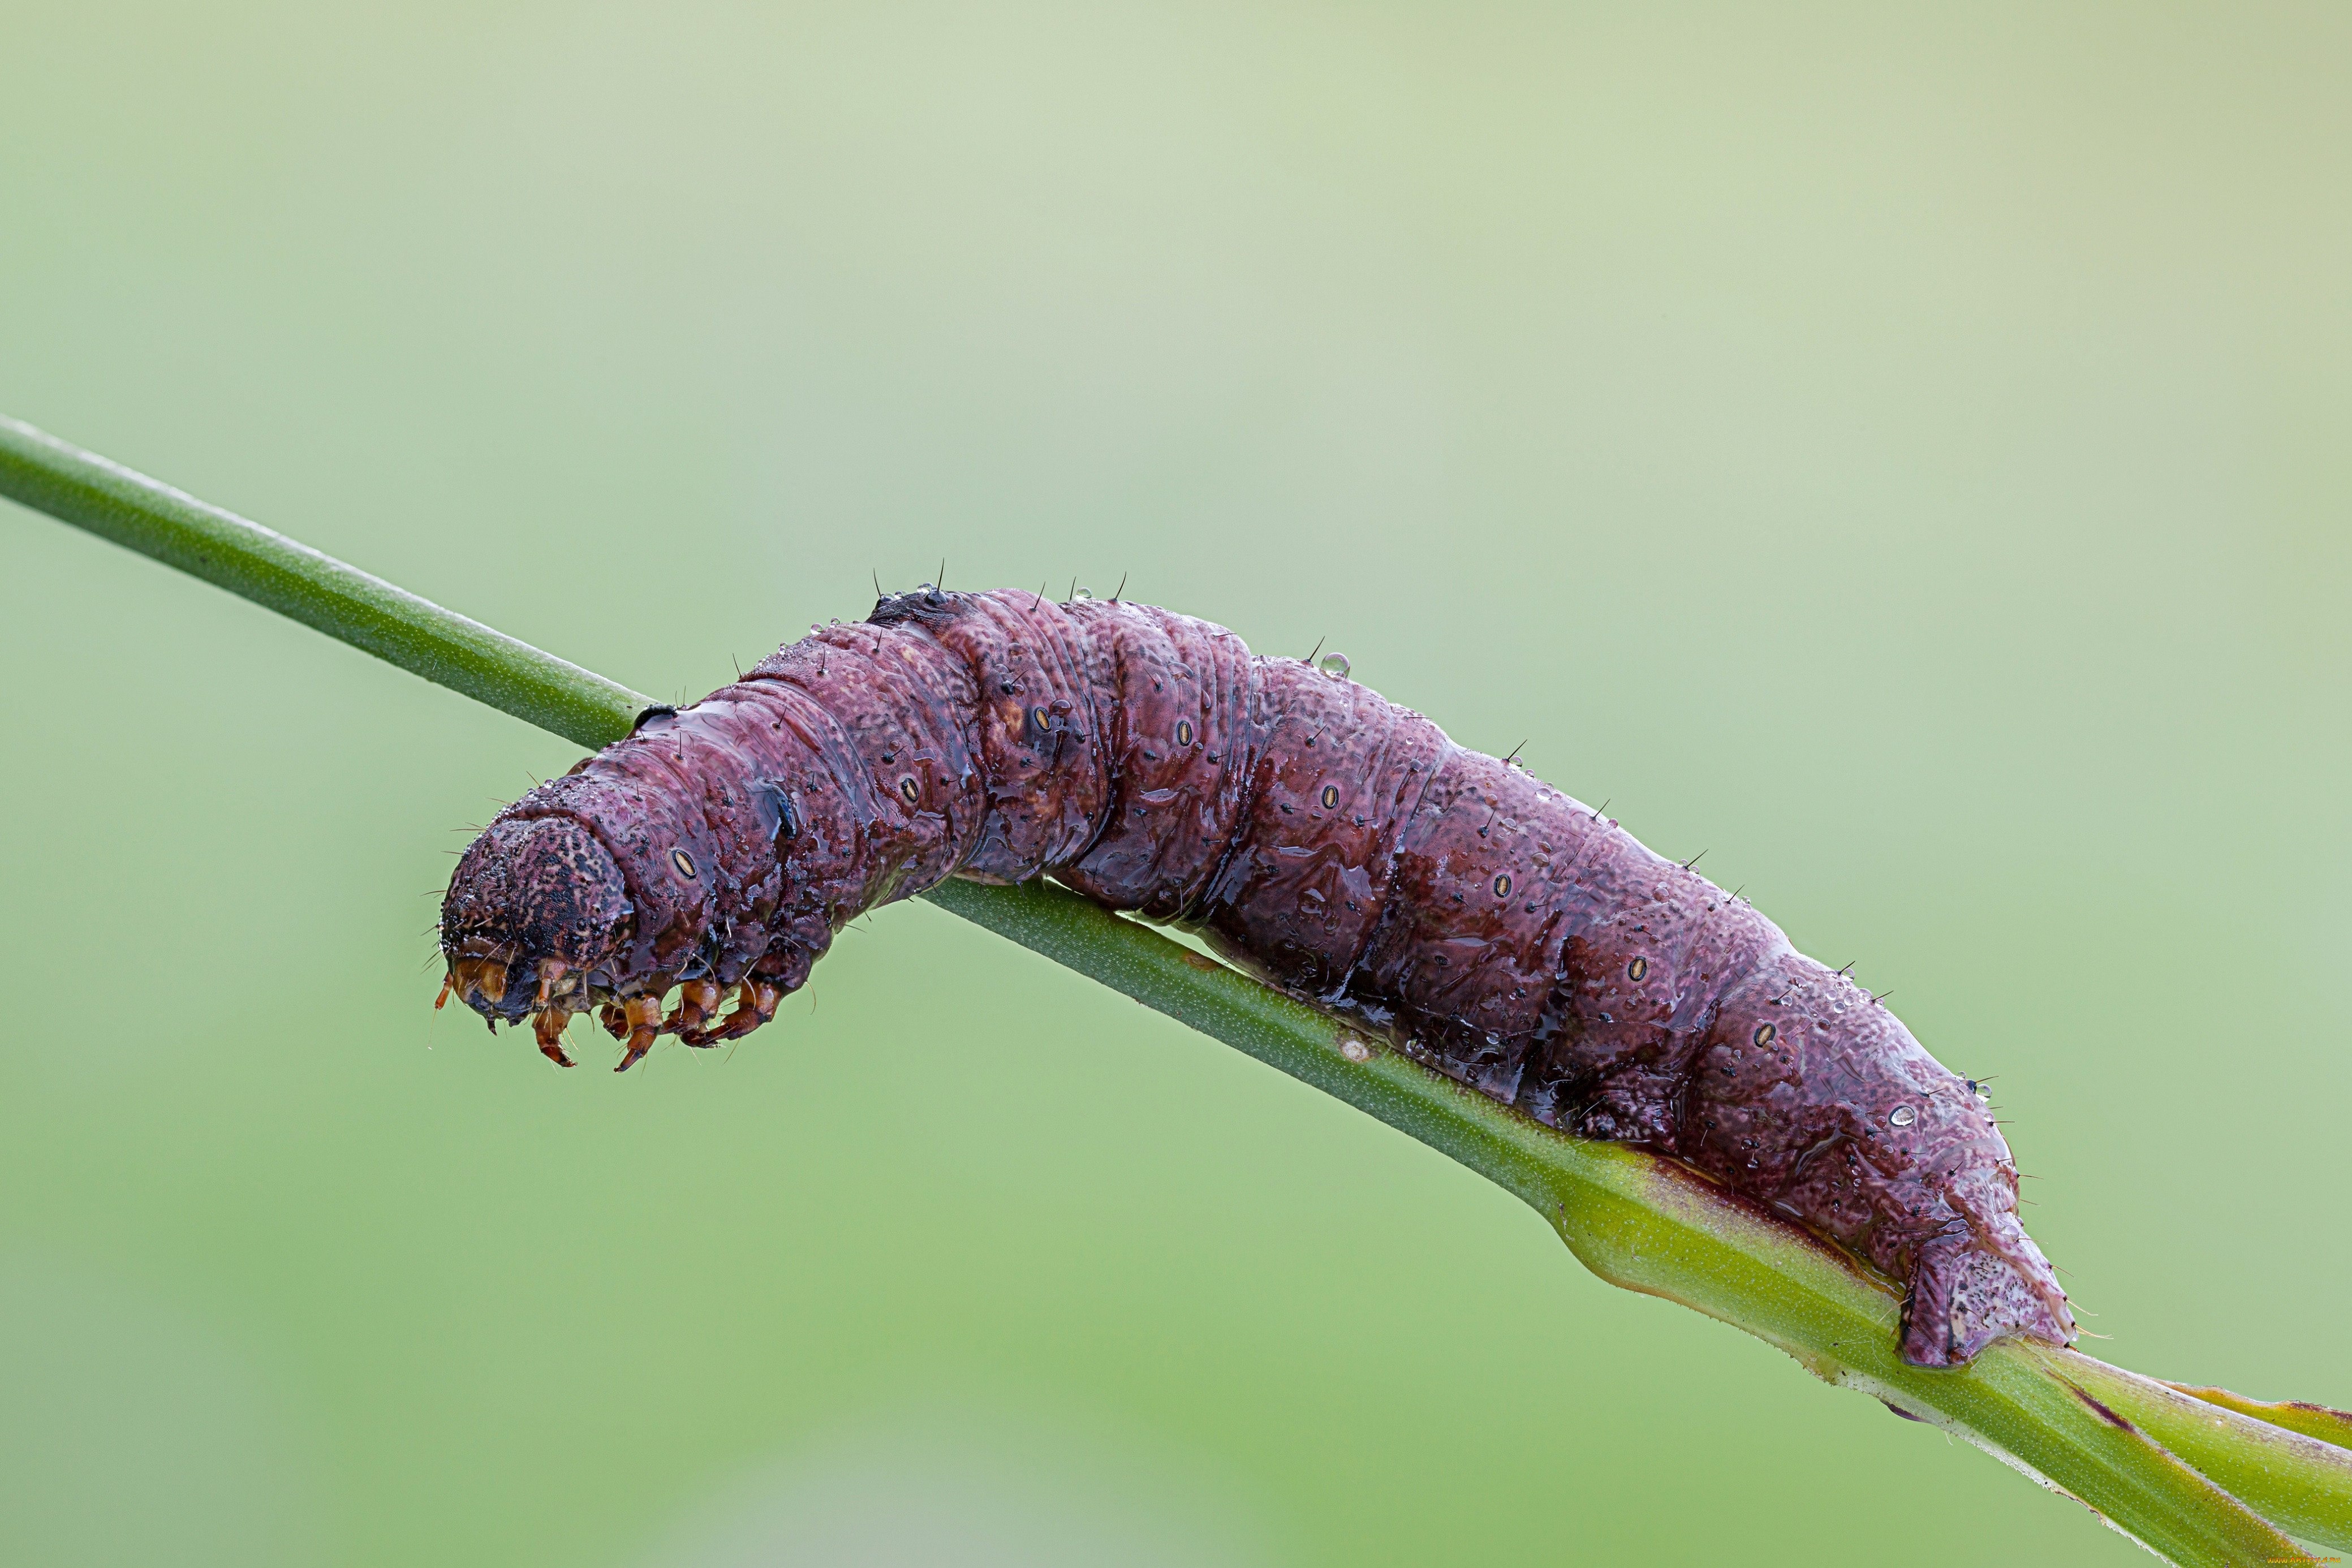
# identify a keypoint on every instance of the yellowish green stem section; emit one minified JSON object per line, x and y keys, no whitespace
{"x":2200,"y":1477}
{"x":2294,"y":1414}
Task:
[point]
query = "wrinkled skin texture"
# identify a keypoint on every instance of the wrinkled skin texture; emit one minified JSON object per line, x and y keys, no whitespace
{"x":1339,"y":847}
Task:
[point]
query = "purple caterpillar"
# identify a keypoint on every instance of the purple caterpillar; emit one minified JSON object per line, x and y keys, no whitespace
{"x":1334,"y":844}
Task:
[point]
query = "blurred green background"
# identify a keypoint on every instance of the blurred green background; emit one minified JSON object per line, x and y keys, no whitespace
{"x":1901,"y":452}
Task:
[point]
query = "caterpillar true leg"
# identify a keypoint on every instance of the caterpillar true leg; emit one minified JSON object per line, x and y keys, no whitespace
{"x":698,"y":1003}
{"x":548,"y":1027}
{"x":642,"y":1016}
{"x":755,"y":1004}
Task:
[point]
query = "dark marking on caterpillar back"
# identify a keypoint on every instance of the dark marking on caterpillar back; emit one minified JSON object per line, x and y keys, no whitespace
{"x":1450,"y":903}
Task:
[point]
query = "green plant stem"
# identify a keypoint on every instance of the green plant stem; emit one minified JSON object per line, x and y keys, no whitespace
{"x":2296,"y":1415}
{"x":1651,"y":1224}
{"x":2182,"y":1475}
{"x":264,"y":565}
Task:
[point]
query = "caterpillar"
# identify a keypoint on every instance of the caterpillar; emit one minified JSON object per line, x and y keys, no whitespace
{"x":1334,"y":845}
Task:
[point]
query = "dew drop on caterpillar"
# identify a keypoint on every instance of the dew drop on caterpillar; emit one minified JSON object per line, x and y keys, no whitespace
{"x":1483,"y":923}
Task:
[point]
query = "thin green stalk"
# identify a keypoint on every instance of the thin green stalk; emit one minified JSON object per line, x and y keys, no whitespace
{"x":2186,"y":1476}
{"x":2294,"y":1414}
{"x":264,"y":565}
{"x":1650,"y":1223}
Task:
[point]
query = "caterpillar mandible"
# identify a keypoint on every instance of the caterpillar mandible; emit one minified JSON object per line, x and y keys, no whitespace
{"x":1334,"y":845}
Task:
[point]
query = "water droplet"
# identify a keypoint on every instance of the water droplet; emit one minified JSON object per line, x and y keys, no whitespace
{"x":1335,"y":664}
{"x":1082,"y":593}
{"x":1903,"y":1116}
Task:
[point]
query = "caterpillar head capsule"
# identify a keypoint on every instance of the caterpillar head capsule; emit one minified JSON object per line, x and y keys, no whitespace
{"x":536,"y":904}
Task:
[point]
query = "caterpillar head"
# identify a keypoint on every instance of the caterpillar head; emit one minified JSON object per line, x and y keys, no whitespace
{"x":535,"y":905}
